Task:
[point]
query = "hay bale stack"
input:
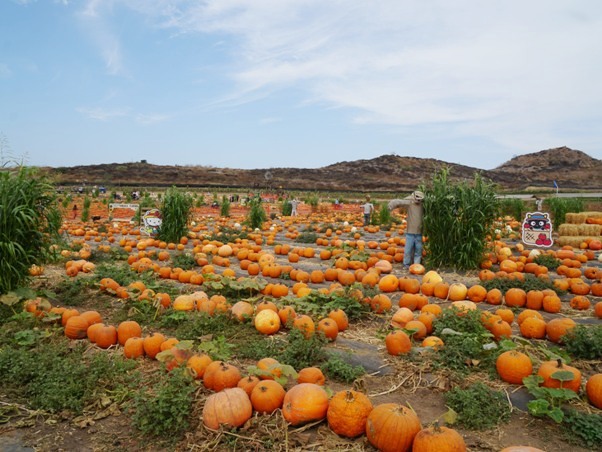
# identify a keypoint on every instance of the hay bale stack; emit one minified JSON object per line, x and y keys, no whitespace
{"x":581,"y":217}
{"x":590,"y":229}
{"x":567,"y":229}
{"x":574,"y":241}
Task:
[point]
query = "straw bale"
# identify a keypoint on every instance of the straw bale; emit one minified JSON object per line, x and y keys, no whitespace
{"x":576,"y":218}
{"x":581,"y":217}
{"x":568,"y":229}
{"x":574,"y":241}
{"x":589,"y":229}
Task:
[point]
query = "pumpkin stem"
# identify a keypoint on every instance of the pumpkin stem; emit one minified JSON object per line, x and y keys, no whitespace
{"x":349,"y":396}
{"x":437,"y":427}
{"x":559,"y":361}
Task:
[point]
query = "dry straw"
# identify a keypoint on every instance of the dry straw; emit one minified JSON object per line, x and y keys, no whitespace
{"x":579,"y":218}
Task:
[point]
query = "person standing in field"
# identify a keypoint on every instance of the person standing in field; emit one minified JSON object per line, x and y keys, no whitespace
{"x":368,"y":209}
{"x":412,"y":253}
{"x":294,"y":204}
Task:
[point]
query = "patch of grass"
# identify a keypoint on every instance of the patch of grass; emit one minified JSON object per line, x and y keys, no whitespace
{"x":478,"y":407}
{"x":195,"y":325}
{"x":336,"y":368}
{"x":530,"y":283}
{"x":547,"y":261}
{"x":74,"y":291}
{"x":57,"y":376}
{"x":464,"y":337}
{"x":584,"y":342}
{"x":301,"y":352}
{"x":584,"y":429}
{"x":185,"y":261}
{"x":164,"y":410}
{"x":307,"y":237}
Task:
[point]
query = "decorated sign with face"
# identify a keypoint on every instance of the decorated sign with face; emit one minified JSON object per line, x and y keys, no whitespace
{"x":537,"y":229}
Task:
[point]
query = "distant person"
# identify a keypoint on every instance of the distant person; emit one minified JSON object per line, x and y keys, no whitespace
{"x":294,"y":205}
{"x":412,"y":253}
{"x":74,"y":211}
{"x":539,"y":203}
{"x":368,"y":209}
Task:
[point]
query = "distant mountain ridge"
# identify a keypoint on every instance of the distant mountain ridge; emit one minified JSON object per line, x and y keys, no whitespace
{"x":571,"y":169}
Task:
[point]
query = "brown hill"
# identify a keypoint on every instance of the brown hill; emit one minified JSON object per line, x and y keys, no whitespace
{"x":387,"y":173}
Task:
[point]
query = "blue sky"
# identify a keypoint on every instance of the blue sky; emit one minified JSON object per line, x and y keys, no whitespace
{"x":297,"y":83}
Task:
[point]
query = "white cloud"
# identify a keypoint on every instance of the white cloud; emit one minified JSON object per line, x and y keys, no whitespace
{"x":269,"y":120}
{"x":515,"y":73}
{"x":102,"y":114}
{"x":95,"y":17}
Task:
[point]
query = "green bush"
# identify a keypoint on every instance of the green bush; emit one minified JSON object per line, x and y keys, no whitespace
{"x":478,"y":407}
{"x":29,"y":218}
{"x":512,"y":207}
{"x":165,"y":409}
{"x":287,"y":208}
{"x":176,"y":211}
{"x":58,"y":376}
{"x":458,"y":217}
{"x":86,"y":209}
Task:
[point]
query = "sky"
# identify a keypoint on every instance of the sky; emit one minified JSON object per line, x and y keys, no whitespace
{"x":297,"y":83}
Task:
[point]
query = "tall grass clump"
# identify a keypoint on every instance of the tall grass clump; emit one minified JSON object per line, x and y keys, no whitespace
{"x":458,"y":216}
{"x":287,"y":208}
{"x":225,"y":207}
{"x":512,"y":207}
{"x":559,"y":207}
{"x":86,"y":209}
{"x":29,"y":218}
{"x":257,"y":214}
{"x":384,"y":215}
{"x":175,"y":210}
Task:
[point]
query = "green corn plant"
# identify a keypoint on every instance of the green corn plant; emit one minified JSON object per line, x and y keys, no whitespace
{"x":175,"y":210}
{"x":225,"y":207}
{"x":559,"y":207}
{"x":86,"y":209}
{"x":458,"y":216}
{"x":384,"y":215}
{"x":257,"y":214}
{"x":29,"y":219}
{"x":287,"y":208}
{"x":513,"y":208}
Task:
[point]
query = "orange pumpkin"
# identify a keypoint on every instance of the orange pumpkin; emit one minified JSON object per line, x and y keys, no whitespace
{"x":220,"y":375}
{"x":438,"y":439}
{"x":593,"y":389}
{"x":152,"y":344}
{"x":311,"y":375}
{"x":392,"y":428}
{"x":397,"y":343}
{"x":133,"y":347}
{"x":305,"y":402}
{"x":547,"y":370}
{"x":230,"y":407}
{"x":267,"y":396}
{"x":512,"y":366}
{"x":128,"y":329}
{"x":347,"y":413}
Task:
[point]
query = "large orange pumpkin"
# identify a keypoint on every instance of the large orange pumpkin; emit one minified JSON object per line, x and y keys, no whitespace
{"x":127,"y":329}
{"x":593,"y":388}
{"x":305,"y":402}
{"x":438,"y":439}
{"x":267,"y":396}
{"x":392,"y":428}
{"x":230,"y":407}
{"x":547,"y":370}
{"x":512,"y":366}
{"x":220,"y":375}
{"x":347,"y":413}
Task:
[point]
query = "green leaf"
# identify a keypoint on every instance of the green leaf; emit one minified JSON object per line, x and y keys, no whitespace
{"x":539,"y":407}
{"x":10,"y":299}
{"x":450,"y":417}
{"x":563,"y":375}
{"x":556,"y":414}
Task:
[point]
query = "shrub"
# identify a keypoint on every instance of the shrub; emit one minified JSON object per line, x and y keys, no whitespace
{"x":164,"y":410}
{"x":478,"y":407}
{"x":86,"y":209}
{"x":584,"y":342}
{"x":560,"y":206}
{"x":225,"y":207}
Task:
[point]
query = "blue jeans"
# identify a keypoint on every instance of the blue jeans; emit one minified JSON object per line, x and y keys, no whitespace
{"x":413,"y":249}
{"x":366,"y":219}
